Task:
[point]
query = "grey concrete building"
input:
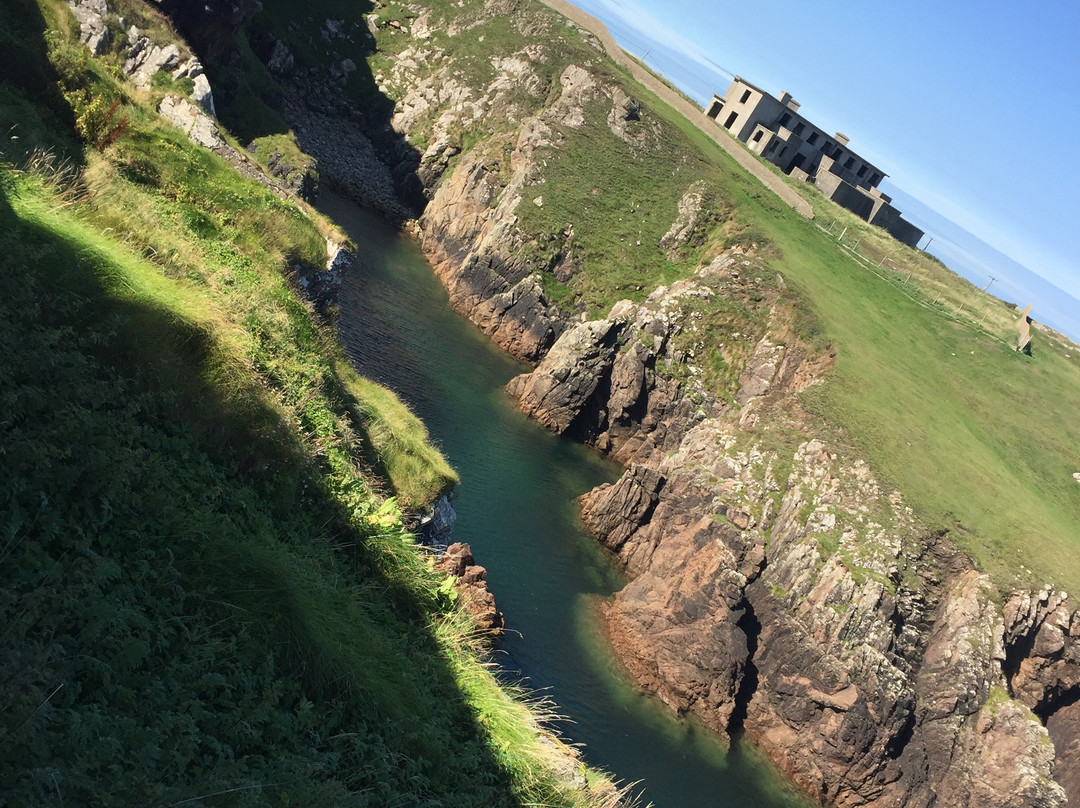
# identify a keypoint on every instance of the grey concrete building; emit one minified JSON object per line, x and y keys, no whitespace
{"x":773,"y":128}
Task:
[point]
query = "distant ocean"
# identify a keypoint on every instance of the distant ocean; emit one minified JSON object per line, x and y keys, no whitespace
{"x":972,"y":258}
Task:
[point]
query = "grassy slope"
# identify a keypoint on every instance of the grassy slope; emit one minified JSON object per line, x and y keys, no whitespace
{"x":978,"y":437}
{"x":981,"y":440}
{"x":202,"y":594}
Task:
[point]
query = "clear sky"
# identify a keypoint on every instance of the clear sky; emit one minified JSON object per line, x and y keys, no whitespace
{"x":973,"y":109}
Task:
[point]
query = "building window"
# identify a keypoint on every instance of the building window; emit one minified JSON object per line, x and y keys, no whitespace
{"x":875,"y":179}
{"x":757,"y":136}
{"x":848,"y":163}
{"x":785,"y":119}
{"x":783,"y":151}
{"x":812,"y":139}
{"x":731,"y":120}
{"x":745,"y":97}
{"x":861,"y":172}
{"x":799,"y":128}
{"x":825,"y":146}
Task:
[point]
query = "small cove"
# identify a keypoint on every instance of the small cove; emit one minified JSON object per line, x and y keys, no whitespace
{"x":516,"y":508}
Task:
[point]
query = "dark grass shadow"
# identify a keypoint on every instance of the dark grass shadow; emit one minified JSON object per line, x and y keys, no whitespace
{"x":124,"y":461}
{"x":187,"y":609}
{"x":33,"y":111}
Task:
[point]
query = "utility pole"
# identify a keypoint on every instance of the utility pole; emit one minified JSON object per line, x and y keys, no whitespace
{"x":992,"y":279}
{"x":928,"y":243}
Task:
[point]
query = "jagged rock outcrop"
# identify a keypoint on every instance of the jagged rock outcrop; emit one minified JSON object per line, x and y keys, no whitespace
{"x":143,"y":58}
{"x":471,"y":585}
{"x":434,"y":524}
{"x":556,"y":393}
{"x":1064,"y":729}
{"x":1042,"y":637}
{"x":615,"y":382}
{"x":473,"y":250}
{"x":687,"y":223}
{"x":146,"y":58}
{"x":93,"y":31}
{"x":192,"y":121}
{"x":470,"y":226}
{"x":615,"y":512}
{"x":1042,"y":663}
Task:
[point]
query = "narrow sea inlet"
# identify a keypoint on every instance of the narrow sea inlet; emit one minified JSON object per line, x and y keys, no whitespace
{"x":516,"y":507}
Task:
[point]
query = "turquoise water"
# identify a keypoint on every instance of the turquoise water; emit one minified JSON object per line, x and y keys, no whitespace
{"x":516,"y":507}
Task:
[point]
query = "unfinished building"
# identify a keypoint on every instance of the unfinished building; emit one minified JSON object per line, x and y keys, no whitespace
{"x":773,"y":128}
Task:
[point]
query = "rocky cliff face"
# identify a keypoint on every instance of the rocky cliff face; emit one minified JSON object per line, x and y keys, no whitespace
{"x":471,"y":585}
{"x":469,"y":225}
{"x":783,"y":597}
{"x":787,"y":597}
{"x":777,"y":590}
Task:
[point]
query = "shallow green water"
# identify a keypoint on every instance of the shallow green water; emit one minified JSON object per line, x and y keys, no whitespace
{"x":516,"y":508}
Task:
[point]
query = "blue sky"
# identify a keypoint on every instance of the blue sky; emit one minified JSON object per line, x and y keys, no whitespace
{"x":973,"y":109}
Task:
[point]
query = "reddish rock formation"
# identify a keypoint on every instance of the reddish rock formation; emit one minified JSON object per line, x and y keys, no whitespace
{"x":471,"y":584}
{"x":1064,"y":729}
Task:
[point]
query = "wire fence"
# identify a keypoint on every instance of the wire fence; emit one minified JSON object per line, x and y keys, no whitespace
{"x":901,"y":278}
